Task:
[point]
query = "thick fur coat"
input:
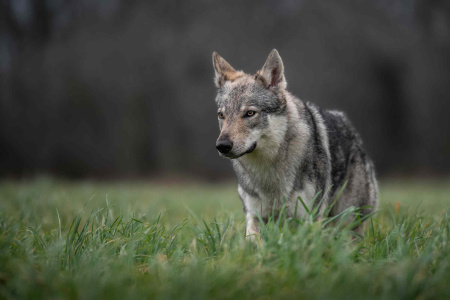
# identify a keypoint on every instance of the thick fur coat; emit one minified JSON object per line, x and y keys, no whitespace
{"x":283,"y":148}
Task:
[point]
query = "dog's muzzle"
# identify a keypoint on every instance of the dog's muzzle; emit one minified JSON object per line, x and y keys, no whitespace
{"x":233,"y":156}
{"x":250,"y":150}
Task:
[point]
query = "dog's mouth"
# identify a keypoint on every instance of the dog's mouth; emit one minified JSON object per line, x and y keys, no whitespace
{"x":249,"y":150}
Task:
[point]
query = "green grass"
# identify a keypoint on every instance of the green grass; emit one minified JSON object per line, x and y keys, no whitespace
{"x":131,"y":240}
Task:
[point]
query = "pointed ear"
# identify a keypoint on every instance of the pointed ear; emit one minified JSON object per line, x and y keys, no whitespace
{"x":272,"y":73}
{"x":224,"y":71}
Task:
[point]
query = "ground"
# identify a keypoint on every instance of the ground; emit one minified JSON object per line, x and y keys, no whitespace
{"x":131,"y":240}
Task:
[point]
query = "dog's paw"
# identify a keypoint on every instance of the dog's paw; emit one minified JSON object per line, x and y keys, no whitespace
{"x":254,"y":237}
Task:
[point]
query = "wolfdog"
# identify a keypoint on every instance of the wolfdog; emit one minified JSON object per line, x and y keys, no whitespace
{"x":284,"y":149}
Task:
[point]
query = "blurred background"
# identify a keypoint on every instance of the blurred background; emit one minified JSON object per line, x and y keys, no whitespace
{"x":124,"y":88}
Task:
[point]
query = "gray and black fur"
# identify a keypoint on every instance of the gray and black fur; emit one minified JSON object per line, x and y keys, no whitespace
{"x":284,"y":148}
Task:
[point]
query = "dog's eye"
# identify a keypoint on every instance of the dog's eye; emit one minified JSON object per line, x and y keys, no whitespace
{"x":221,"y":116}
{"x":250,"y":113}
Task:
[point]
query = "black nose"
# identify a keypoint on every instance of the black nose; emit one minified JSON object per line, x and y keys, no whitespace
{"x":224,"y":146}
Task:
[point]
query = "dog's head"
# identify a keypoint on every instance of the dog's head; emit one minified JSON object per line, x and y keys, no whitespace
{"x":251,"y":108}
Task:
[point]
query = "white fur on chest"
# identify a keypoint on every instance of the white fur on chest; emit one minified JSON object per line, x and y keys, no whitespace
{"x":271,"y":170}
{"x":265,"y":206}
{"x":263,"y":170}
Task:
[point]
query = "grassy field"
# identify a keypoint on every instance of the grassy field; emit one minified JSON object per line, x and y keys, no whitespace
{"x":131,"y":240}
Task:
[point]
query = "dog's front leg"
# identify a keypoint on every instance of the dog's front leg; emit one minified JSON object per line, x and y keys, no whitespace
{"x":250,"y":205}
{"x":253,"y":228}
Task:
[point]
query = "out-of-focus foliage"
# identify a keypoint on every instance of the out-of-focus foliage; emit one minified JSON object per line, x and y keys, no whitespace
{"x":116,"y":88}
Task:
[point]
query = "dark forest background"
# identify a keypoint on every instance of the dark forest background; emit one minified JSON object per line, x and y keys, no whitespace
{"x":124,"y":88}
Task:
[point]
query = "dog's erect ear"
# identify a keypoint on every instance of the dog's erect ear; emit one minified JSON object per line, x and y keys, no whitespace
{"x":224,"y":71}
{"x":272,"y":73}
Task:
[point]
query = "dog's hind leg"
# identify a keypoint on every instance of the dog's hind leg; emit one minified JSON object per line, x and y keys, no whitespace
{"x":361,"y":190}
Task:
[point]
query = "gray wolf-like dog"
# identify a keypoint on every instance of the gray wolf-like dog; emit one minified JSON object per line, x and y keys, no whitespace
{"x":283,"y":148}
